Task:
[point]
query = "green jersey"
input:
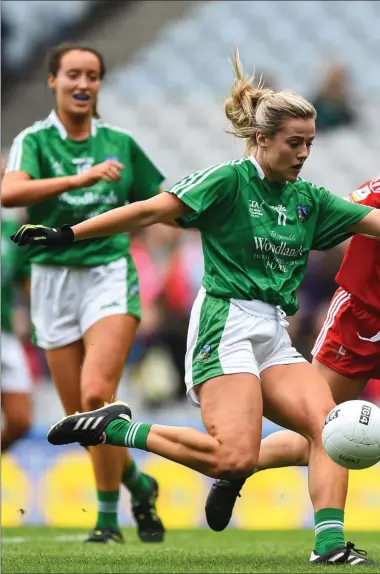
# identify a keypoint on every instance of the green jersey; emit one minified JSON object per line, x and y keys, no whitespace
{"x":256,"y":234}
{"x":44,"y":150}
{"x":14,"y":267}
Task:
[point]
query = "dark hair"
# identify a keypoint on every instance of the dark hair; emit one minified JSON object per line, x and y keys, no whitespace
{"x":56,"y":54}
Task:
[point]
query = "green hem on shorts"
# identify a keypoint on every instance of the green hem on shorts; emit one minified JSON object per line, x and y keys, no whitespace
{"x":212,"y":320}
{"x":133,"y":303}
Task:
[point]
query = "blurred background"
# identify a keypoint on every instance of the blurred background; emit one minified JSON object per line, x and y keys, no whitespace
{"x":168,"y":72}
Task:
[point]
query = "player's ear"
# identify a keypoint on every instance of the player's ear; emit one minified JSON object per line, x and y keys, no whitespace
{"x":52,"y":82}
{"x":261,"y":140}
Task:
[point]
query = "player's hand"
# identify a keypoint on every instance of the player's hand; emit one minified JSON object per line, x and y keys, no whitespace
{"x":42,"y":235}
{"x":108,"y":171}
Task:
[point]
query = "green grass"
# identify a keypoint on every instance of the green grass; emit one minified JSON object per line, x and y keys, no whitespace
{"x":38,"y":549}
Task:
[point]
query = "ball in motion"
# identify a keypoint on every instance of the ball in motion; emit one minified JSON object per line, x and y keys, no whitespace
{"x":351,"y":434}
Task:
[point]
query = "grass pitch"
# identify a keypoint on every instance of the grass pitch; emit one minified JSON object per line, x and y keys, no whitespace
{"x":42,"y":549}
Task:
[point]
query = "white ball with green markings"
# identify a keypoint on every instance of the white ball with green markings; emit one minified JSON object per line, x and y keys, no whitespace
{"x":351,"y":434}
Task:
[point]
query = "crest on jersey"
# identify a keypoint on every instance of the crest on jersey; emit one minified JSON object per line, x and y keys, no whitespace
{"x":302,"y":212}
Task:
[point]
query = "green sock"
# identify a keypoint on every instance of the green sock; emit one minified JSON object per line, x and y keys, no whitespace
{"x":124,"y":433}
{"x":136,"y":481}
{"x":329,"y":529}
{"x":107,"y":509}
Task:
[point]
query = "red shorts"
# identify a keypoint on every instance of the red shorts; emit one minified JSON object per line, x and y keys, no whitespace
{"x":349,"y":341}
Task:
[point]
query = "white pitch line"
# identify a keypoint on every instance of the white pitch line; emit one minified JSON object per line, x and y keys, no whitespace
{"x":62,"y":538}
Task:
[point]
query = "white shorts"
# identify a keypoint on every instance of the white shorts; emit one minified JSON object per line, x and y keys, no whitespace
{"x":227,"y":337}
{"x":15,"y":374}
{"x":66,"y":302}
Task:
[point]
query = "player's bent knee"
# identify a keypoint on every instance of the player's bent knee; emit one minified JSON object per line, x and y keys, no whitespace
{"x":92,"y":401}
{"x":314,"y":423}
{"x":303,"y":453}
{"x":235,"y":465}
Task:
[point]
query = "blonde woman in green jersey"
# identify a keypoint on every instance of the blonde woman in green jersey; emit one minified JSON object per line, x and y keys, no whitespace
{"x":258,"y":221}
{"x":85,"y":303}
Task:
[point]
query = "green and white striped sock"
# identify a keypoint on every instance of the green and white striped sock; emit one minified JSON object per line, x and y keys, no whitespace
{"x":107,"y":509}
{"x":329,"y":529}
{"x":124,"y":433}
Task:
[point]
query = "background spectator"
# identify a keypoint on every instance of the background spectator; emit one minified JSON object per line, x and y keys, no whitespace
{"x":333,"y":100}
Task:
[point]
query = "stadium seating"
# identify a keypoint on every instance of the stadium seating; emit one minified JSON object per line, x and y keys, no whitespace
{"x":171,"y":94}
{"x":30,"y":23}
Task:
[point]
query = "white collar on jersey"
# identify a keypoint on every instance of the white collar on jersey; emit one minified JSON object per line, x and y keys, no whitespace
{"x":53,"y":117}
{"x":257,"y":166}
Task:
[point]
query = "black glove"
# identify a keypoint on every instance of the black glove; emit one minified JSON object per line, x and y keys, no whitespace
{"x":41,"y":235}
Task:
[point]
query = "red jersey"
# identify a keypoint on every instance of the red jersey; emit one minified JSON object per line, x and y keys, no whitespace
{"x":359,"y":273}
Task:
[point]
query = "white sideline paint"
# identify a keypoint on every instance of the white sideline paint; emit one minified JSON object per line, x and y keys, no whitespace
{"x":61,"y":538}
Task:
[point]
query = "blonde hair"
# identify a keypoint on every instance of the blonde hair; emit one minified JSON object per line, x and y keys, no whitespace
{"x":253,"y":108}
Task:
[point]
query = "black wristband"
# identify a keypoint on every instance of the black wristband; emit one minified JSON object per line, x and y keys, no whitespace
{"x":67,"y":234}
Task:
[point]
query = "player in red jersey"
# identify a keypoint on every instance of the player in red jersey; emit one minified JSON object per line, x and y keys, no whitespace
{"x":346,"y":353}
{"x":347,"y":350}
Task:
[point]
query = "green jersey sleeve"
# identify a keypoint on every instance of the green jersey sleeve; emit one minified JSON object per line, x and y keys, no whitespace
{"x":24,"y":155}
{"x":205,"y":190}
{"x":147,"y":178}
{"x":334,"y":217}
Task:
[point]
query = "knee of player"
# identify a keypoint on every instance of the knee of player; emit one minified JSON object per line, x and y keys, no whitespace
{"x":235,"y":464}
{"x":93,"y":399}
{"x":302,"y":454}
{"x":314,"y":423}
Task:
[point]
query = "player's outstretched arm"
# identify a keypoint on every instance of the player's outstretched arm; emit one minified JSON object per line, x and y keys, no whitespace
{"x":369,"y":225}
{"x":158,"y":209}
{"x":170,"y":222}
